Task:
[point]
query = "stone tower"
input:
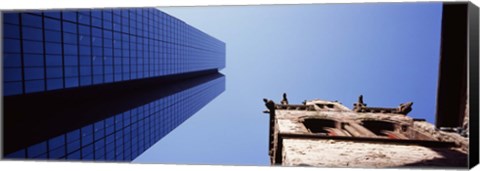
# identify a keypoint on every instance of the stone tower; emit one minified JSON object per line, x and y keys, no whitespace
{"x":328,"y":134}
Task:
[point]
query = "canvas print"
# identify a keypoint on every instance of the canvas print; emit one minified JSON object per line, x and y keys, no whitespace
{"x":366,"y":85}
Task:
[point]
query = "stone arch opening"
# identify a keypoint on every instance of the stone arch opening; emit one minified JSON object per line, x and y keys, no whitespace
{"x":315,"y":125}
{"x":379,"y":128}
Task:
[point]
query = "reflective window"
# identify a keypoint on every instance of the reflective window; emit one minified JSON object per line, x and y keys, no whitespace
{"x":11,"y":31}
{"x":52,"y":24}
{"x":66,"y":49}
{"x":31,"y":20}
{"x":53,"y":36}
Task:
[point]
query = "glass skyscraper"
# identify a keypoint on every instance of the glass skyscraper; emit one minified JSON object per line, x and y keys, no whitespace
{"x":102,"y":84}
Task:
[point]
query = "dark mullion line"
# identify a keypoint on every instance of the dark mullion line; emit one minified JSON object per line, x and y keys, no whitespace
{"x":114,"y":137}
{"x":128,"y":139}
{"x":102,"y":58}
{"x":129,"y":53}
{"x":168,"y":45}
{"x":139,"y":44}
{"x":165,"y":45}
{"x":137,"y":129}
{"x":92,"y":133}
{"x":155,"y":124}
{"x":154,"y":42}
{"x":20,"y":23}
{"x":177,"y":48}
{"x":151,"y":43}
{"x":65,"y":145}
{"x":141,"y":129}
{"x":122,"y":56}
{"x":92,"y":144}
{"x":63,"y":49}
{"x":113,"y":49}
{"x":131,"y":133}
{"x":92,"y":82}
{"x":139,"y":132}
{"x":148,"y":124}
{"x":144,"y":45}
{"x":104,"y":138}
{"x":44,"y":55}
{"x":47,"y":152}
{"x":80,"y":148}
{"x":78,"y":49}
{"x":131,"y":127}
{"x":145,"y":128}
{"x":147,"y":39}
{"x":130,"y":36}
{"x":120,"y":140}
{"x":124,"y":137}
{"x":113,"y":142}
{"x":133,"y":47}
{"x":169,"y":39}
{"x":173,"y":60}
{"x":105,"y":135}
{"x":159,"y":42}
{"x":124,"y":48}
{"x":148,"y":42}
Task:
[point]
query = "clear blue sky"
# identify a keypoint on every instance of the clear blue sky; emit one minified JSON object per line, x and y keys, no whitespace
{"x":389,"y":52}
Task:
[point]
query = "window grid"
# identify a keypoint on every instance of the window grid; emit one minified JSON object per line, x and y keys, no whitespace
{"x":126,"y":135}
{"x":53,"y":50}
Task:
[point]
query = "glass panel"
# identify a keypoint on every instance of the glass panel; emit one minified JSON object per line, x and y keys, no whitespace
{"x":11,"y":60}
{"x":32,"y":47}
{"x":11,"y":31}
{"x":52,"y":24}
{"x":31,"y":20}
{"x":37,"y":149}
{"x":32,"y":33}
{"x":32,"y":60}
{"x":10,"y":17}
{"x":34,"y":86}
{"x":11,"y":45}
{"x":53,"y":36}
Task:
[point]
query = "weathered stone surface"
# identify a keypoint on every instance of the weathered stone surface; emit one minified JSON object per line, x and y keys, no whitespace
{"x":334,"y":153}
{"x":461,"y":142}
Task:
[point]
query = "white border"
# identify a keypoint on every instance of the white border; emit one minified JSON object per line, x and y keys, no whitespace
{"x":53,"y":4}
{"x":82,"y":166}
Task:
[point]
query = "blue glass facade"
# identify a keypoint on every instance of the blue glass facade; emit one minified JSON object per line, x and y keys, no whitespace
{"x":51,"y":54}
{"x":53,"y":50}
{"x":126,"y":135}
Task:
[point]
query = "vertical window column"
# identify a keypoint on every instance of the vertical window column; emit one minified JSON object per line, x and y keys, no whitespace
{"x":33,"y":52}
{"x":85,"y":48}
{"x":12,"y":55}
{"x":70,"y":49}
{"x":108,"y":45}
